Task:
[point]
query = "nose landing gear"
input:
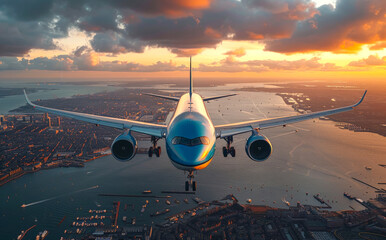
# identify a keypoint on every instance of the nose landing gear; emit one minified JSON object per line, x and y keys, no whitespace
{"x":228,"y":149}
{"x":154,"y":149}
{"x":190,"y":182}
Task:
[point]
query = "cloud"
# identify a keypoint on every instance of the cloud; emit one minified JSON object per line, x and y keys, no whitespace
{"x":230,"y":64}
{"x":170,"y":8}
{"x":12,"y":63}
{"x":186,"y":52}
{"x":285,"y":26}
{"x":239,"y":52}
{"x":342,"y":30}
{"x":84,"y":59}
{"x":113,"y":42}
{"x":372,"y":60}
{"x":378,"y":46}
{"x":59,"y":63}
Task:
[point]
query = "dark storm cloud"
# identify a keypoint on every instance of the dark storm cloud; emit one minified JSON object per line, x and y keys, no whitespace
{"x":343,"y":29}
{"x":286,"y":26}
{"x":12,"y":63}
{"x":115,"y":42}
{"x":16,"y":39}
{"x":30,"y":10}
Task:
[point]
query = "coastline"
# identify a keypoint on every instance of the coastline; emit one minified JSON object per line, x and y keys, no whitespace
{"x":365,"y":118}
{"x":14,"y":177}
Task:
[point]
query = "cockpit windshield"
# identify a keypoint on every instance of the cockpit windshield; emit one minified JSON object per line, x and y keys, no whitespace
{"x":190,"y":142}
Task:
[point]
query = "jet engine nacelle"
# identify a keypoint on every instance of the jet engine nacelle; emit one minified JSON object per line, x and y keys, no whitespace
{"x":124,"y":147}
{"x":258,"y":147}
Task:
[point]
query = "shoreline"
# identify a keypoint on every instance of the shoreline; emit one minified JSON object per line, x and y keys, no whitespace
{"x":303,"y":100}
{"x":10,"y":179}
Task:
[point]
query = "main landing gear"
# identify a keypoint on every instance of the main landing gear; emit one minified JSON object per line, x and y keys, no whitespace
{"x":190,"y":182}
{"x":228,"y":149}
{"x":154,"y":149}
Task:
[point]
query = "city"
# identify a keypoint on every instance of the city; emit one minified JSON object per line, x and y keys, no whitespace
{"x":45,"y":142}
{"x":51,"y":142}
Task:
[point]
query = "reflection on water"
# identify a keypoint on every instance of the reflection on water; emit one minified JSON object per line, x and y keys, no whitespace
{"x":310,"y":157}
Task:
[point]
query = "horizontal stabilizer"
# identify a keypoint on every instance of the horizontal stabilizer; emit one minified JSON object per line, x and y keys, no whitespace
{"x":217,"y":97}
{"x":162,"y":96}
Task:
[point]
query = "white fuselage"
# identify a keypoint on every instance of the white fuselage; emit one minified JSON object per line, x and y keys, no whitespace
{"x":193,"y":133}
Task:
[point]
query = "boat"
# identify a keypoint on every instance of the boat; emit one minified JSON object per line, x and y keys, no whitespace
{"x":124,"y":218}
{"x":143,"y":208}
{"x":198,"y":200}
{"x":42,"y":235}
{"x":348,"y":196}
{"x":186,"y":200}
{"x":285,"y":201}
{"x":167,"y":202}
{"x":133,"y":220}
{"x":160,"y":212}
{"x":176,"y":201}
{"x":146,"y":191}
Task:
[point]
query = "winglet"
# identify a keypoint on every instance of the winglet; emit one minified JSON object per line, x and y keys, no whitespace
{"x":191,"y":80}
{"x":360,"y":101}
{"x":27,"y":99}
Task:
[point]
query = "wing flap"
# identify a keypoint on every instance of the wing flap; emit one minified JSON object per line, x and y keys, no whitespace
{"x":141,"y":127}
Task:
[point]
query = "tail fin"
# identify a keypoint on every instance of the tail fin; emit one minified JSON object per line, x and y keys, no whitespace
{"x":191,"y":81}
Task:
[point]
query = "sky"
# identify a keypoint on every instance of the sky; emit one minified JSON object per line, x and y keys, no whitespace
{"x":296,"y":39}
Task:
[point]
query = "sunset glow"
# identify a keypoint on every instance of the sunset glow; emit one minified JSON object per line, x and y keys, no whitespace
{"x":227,"y":38}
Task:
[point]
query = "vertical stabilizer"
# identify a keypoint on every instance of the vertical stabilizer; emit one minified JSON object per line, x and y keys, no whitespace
{"x":191,"y":81}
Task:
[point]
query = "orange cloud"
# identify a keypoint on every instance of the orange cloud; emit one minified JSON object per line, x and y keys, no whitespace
{"x":186,"y":52}
{"x":372,"y":60}
{"x":210,"y":32}
{"x":239,"y":52}
{"x":378,"y":46}
{"x":168,"y":8}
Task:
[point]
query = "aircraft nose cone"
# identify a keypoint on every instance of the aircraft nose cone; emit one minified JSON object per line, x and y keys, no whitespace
{"x":190,"y":155}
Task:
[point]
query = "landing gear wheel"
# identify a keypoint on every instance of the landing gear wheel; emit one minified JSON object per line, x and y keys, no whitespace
{"x":151,"y":150}
{"x":232,"y":151}
{"x":228,"y":149}
{"x":154,"y":149}
{"x":194,"y":186}
{"x":186,"y":186}
{"x":225,"y":151}
{"x":157,"y":151}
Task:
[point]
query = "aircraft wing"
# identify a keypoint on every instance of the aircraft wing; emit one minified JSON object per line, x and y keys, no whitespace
{"x":162,"y":96}
{"x":136,"y":126}
{"x":231,"y":129}
{"x":217,"y":97}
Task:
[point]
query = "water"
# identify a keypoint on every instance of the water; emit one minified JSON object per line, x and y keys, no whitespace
{"x":318,"y":158}
{"x":46,"y":91}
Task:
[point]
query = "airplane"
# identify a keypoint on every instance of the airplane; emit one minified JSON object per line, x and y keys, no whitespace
{"x":190,"y":136}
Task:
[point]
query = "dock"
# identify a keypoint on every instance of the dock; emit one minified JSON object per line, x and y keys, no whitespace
{"x":369,"y":185}
{"x":132,"y":196}
{"x":116,"y":212}
{"x":178,"y":192}
{"x":24,"y":233}
{"x":317,"y":197}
